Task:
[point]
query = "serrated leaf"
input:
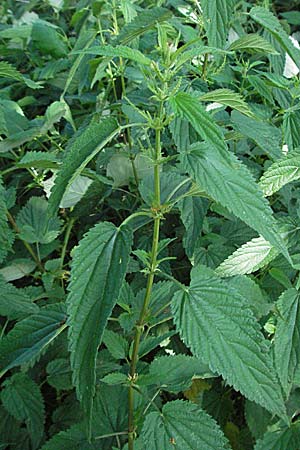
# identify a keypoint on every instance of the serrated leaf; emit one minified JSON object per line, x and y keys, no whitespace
{"x":119,"y":51}
{"x":143,"y":22}
{"x":190,"y":108}
{"x":229,"y":98}
{"x":248,"y":258}
{"x":97,"y":272}
{"x":216,"y":323}
{"x":175,"y":373}
{"x":6,"y":235}
{"x":253,"y":43}
{"x":230,"y":183}
{"x":287,"y":337}
{"x":72,"y":439}
{"x":280,"y":173}
{"x":38,"y":160}
{"x":15,"y":303}
{"x":217,"y":17}
{"x":47,"y":40}
{"x":266,"y":136}
{"x":267,"y":20}
{"x":33,"y":223}
{"x":9,"y":71}
{"x":80,"y":152}
{"x":22,"y":398}
{"x":30,"y":337}
{"x":280,"y":437}
{"x":182,"y":425}
{"x":192,"y":213}
{"x":291,"y":124}
{"x":59,"y":374}
{"x":116,"y":344}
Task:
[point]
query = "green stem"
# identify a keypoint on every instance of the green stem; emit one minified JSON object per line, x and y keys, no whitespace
{"x":153,"y":263}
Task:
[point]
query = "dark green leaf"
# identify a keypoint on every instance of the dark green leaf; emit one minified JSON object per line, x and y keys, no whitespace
{"x":23,"y":400}
{"x":81,"y":151}
{"x":182,"y":425}
{"x":98,"y":269}
{"x":215,"y":321}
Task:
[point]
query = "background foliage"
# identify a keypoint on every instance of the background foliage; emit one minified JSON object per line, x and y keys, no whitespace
{"x":149,"y":225}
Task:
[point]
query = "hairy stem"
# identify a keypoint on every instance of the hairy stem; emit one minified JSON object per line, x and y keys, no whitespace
{"x":153,"y":262}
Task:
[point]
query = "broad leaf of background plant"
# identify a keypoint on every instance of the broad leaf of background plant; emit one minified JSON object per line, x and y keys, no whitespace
{"x":175,"y":373}
{"x":216,"y":323}
{"x":287,"y":337}
{"x":248,"y":258}
{"x":143,"y":22}
{"x":280,"y":173}
{"x":22,"y":398}
{"x":252,"y":43}
{"x":230,"y":183}
{"x":6,"y":236}
{"x":217,"y":16}
{"x":30,"y":337}
{"x":15,"y":303}
{"x":229,"y":98}
{"x":267,"y":20}
{"x":182,"y":425}
{"x":109,"y":417}
{"x":78,"y":154}
{"x":266,"y":136}
{"x":279,"y":437}
{"x":291,"y":124}
{"x":120,"y":51}
{"x":97,"y":272}
{"x":34,"y":224}
{"x":192,"y":213}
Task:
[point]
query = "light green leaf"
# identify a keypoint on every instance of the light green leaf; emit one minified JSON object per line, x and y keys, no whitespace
{"x":79,"y":153}
{"x":15,"y":303}
{"x":280,"y":437}
{"x":6,"y":235}
{"x":217,"y":17}
{"x":29,"y":338}
{"x":34,"y":224}
{"x":38,"y":160}
{"x":229,"y":98}
{"x":47,"y":40}
{"x":258,"y":252}
{"x":97,"y":272}
{"x":266,"y":136}
{"x":143,"y":22}
{"x":248,"y":258}
{"x":22,"y":398}
{"x":184,"y":426}
{"x":9,"y":71}
{"x":216,"y":323}
{"x":287,"y":337}
{"x":17,"y":268}
{"x":267,"y":20}
{"x":253,"y":43}
{"x":280,"y":173}
{"x":230,"y":183}
{"x":120,"y":51}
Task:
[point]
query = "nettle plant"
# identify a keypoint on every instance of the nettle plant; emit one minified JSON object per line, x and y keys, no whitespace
{"x":149,"y":226}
